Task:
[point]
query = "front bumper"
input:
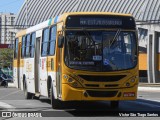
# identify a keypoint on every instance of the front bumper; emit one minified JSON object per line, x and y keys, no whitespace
{"x":79,"y":94}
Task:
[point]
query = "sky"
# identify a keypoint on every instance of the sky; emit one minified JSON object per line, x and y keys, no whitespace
{"x":11,"y":6}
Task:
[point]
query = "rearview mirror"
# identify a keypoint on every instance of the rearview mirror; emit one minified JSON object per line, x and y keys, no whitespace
{"x":60,"y":41}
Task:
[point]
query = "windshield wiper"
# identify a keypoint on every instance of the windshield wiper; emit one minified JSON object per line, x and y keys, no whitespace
{"x":88,"y":35}
{"x":115,"y":37}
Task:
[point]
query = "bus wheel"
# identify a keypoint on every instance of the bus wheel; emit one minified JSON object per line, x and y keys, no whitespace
{"x":26,"y":93}
{"x":54,"y":102}
{"x":35,"y":97}
{"x":114,"y":104}
{"x":6,"y":84}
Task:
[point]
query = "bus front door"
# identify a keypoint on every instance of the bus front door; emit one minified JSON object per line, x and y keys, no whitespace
{"x":36,"y":63}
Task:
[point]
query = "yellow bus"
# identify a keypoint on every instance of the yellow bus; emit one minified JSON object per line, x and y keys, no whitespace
{"x":79,"y":56}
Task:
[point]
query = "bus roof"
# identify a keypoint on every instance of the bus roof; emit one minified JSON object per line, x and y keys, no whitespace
{"x":62,"y":17}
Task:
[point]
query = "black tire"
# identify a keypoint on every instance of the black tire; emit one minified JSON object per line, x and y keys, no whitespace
{"x":26,"y":93}
{"x":35,"y":97}
{"x":55,"y":103}
{"x":115,"y":104}
{"x":5,"y":84}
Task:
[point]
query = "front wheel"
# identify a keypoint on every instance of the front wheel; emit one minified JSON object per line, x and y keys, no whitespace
{"x":54,"y":102}
{"x":114,"y":104}
{"x":26,"y":93}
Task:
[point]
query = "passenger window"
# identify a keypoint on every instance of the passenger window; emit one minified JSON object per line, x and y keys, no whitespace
{"x":16,"y":48}
{"x":52,"y":40}
{"x":23,"y":47}
{"x":45,"y":42}
{"x":27,"y":46}
{"x":33,"y":38}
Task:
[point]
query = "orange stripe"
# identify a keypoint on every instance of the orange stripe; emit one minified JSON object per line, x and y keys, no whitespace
{"x":142,"y":61}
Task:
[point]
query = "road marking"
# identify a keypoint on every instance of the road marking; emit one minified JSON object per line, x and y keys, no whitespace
{"x":9,"y":94}
{"x":7,"y":106}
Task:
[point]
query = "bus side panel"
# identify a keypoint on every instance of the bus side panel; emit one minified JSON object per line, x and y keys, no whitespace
{"x":16,"y":66}
{"x":21,"y":77}
{"x":30,"y":75}
{"x":51,"y":68}
{"x":21,"y":72}
{"x":43,"y":76}
{"x":15,"y":77}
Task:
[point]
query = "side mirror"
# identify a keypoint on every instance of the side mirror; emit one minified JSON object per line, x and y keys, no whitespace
{"x":60,"y":41}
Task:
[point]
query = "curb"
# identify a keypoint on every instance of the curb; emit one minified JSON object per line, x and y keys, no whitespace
{"x":149,"y":89}
{"x":149,"y":84}
{"x":11,"y":85}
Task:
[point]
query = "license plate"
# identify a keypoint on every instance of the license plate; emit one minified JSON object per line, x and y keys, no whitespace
{"x":129,"y":94}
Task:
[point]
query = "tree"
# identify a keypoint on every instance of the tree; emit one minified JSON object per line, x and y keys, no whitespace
{"x":6,"y":57}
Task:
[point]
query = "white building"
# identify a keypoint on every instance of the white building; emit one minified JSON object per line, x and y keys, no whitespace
{"x":7,"y":31}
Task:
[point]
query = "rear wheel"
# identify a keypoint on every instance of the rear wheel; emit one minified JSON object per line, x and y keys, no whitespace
{"x":54,"y":102}
{"x":26,"y":93}
{"x":114,"y":104}
{"x":35,"y":97}
{"x":5,"y":84}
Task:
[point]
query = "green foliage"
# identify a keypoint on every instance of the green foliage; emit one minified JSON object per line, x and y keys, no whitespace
{"x":6,"y":57}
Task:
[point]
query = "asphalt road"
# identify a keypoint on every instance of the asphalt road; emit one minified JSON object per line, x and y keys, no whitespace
{"x":12,"y":99}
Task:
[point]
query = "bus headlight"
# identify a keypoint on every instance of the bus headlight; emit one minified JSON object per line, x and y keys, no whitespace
{"x":132,"y":80}
{"x":70,"y":80}
{"x":128,"y":84}
{"x":65,"y":76}
{"x":75,"y":84}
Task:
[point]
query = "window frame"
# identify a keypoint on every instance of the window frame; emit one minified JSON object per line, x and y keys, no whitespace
{"x":27,"y":46}
{"x":16,"y":41}
{"x":23,"y":47}
{"x":32,"y":46}
{"x":50,"y":31}
{"x":42,"y":43}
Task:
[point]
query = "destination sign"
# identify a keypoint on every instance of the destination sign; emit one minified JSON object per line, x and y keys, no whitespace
{"x":99,"y":21}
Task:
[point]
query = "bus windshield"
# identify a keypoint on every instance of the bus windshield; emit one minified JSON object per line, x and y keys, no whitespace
{"x":100,"y":50}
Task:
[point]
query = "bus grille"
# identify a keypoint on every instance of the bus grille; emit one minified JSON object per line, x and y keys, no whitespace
{"x":101,"y":93}
{"x":102,"y":78}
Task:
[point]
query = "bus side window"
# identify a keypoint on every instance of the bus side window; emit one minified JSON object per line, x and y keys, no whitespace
{"x":45,"y":42}
{"x":16,"y":48}
{"x":52,"y":40}
{"x":32,"y":46}
{"x":23,"y":47}
{"x":28,"y":46}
